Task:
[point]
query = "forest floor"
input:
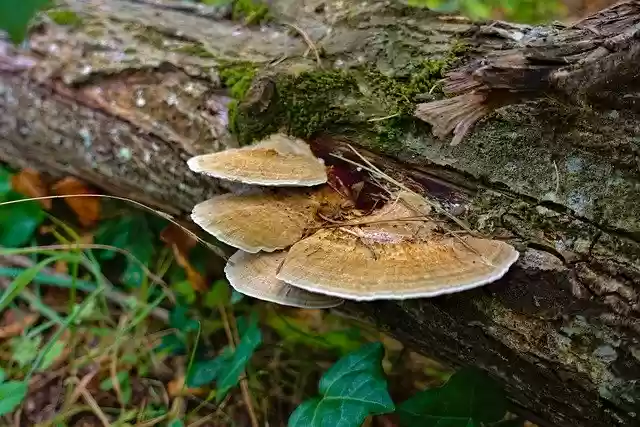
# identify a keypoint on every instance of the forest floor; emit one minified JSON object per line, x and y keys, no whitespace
{"x":107,"y":307}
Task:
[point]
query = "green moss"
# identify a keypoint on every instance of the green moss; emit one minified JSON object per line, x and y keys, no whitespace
{"x":237,"y":77}
{"x":195,"y":49}
{"x":251,"y":11}
{"x":359,"y":101}
{"x":64,"y":17}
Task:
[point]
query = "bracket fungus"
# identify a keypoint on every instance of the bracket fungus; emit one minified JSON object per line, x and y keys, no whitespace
{"x":393,"y":258}
{"x":265,"y":221}
{"x":396,"y":252}
{"x":255,"y":275}
{"x":279,"y":160}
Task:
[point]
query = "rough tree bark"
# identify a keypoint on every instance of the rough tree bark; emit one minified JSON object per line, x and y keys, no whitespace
{"x":122,"y":92}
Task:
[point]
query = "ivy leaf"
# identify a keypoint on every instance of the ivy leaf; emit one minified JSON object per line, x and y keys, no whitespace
{"x":353,"y":388}
{"x":132,"y":234}
{"x":15,"y":16}
{"x":207,"y":371}
{"x":18,"y":221}
{"x":468,"y":399}
{"x":12,"y":393}
{"x":250,"y":340}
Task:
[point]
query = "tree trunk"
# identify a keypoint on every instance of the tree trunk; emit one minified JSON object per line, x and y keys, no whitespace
{"x":122,"y":92}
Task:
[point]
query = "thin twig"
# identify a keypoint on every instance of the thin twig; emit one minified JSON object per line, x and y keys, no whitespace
{"x":94,"y":406}
{"x":377,"y":119}
{"x":309,"y":42}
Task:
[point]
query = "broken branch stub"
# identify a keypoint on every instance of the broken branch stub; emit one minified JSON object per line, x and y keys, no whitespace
{"x":279,"y":160}
{"x":255,"y":275}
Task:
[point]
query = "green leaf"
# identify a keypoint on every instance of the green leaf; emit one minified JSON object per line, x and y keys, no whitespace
{"x":353,"y":388}
{"x":12,"y":393}
{"x":24,"y":350}
{"x":15,"y":16}
{"x":249,"y":341}
{"x":207,"y":371}
{"x":219,"y":294}
{"x":52,"y":355}
{"x":185,"y":290}
{"x":178,"y":319}
{"x":175,"y":423}
{"x":5,"y":180}
{"x":3,"y":375}
{"x":18,"y":221}
{"x":132,"y":234}
{"x":172,"y":344}
{"x":469,"y":398}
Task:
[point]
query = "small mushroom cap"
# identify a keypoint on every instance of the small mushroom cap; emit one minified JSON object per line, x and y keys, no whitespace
{"x":255,"y":275}
{"x":383,"y":266}
{"x":279,"y":160}
{"x":263,"y":221}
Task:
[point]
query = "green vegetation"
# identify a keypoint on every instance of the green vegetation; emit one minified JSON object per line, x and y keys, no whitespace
{"x":140,"y":294}
{"x":526,"y":11}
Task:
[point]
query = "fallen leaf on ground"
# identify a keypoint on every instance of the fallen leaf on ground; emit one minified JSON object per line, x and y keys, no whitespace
{"x":175,"y":388}
{"x":29,"y":183}
{"x":86,"y":208}
{"x":173,"y":234}
{"x":181,"y":242}
{"x":12,"y":325}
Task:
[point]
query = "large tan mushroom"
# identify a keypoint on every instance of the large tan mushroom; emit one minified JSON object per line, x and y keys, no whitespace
{"x":255,"y":275}
{"x":279,"y":160}
{"x":393,"y":257}
{"x":263,"y":221}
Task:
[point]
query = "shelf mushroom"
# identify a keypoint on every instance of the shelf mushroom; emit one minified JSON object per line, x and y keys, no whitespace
{"x":266,"y":221}
{"x":279,"y":160}
{"x":394,"y":253}
{"x":393,"y":258}
{"x":255,"y":275}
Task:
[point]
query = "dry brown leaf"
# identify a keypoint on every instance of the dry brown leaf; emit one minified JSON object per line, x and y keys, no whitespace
{"x":86,"y":208}
{"x":173,"y":234}
{"x":61,"y":267}
{"x":12,"y":326}
{"x":181,"y":242}
{"x":29,"y":182}
{"x":174,"y":388}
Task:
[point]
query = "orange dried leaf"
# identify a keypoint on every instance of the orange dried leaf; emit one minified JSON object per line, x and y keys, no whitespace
{"x":195,"y":278}
{"x":181,"y":242}
{"x":86,"y":208}
{"x":174,"y":388}
{"x":173,"y":234}
{"x":61,"y":267}
{"x":29,"y":182}
{"x":12,"y":326}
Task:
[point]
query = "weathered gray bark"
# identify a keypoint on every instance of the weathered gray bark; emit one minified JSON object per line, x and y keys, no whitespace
{"x":123,"y":97}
